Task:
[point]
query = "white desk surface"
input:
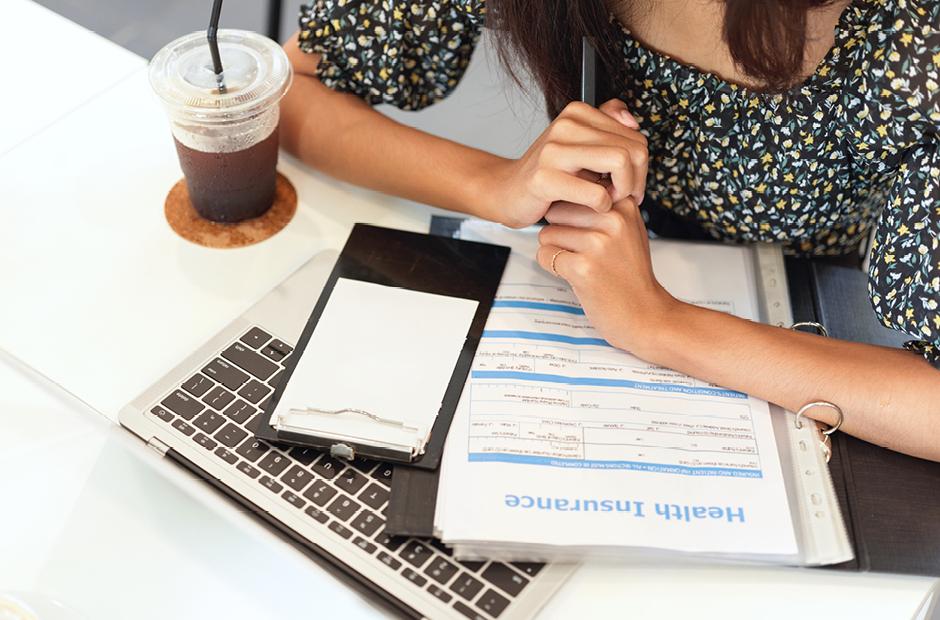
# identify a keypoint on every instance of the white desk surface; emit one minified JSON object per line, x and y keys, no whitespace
{"x":50,"y":66}
{"x":89,"y":517}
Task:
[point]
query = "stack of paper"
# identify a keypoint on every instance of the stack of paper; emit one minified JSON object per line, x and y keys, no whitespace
{"x":565,"y":447}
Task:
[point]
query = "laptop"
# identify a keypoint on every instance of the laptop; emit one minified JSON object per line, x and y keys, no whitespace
{"x":199,"y":414}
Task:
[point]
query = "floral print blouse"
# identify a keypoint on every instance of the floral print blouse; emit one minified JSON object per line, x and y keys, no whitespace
{"x":855,"y":146}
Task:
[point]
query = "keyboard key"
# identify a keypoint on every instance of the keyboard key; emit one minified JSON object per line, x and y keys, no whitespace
{"x":247,"y":359}
{"x":388,"y":560}
{"x":209,"y":421}
{"x":439,"y":593}
{"x":271,"y":484}
{"x":441,"y":547}
{"x":374,"y":496}
{"x":493,"y":603}
{"x":162,"y":414}
{"x":317,"y":514}
{"x":392,"y":543}
{"x":305,"y":456}
{"x":320,"y":493}
{"x":247,"y":469}
{"x":343,"y":508}
{"x":350,"y":481}
{"x":340,"y":529}
{"x":276,"y":379}
{"x":282,"y":347}
{"x":239,"y":411}
{"x":274,"y":463}
{"x":182,"y":404}
{"x":205,"y":442}
{"x":367,"y":522}
{"x":252,"y":449}
{"x":218,"y":398}
{"x":227,"y":455}
{"x":327,"y":467}
{"x":263,"y":406}
{"x":440,"y":570}
{"x":225,"y":373}
{"x":255,"y":337}
{"x":383,"y":473}
{"x":414,"y":577}
{"x":363,"y":465}
{"x":364,"y":544}
{"x":504,"y":578}
{"x":272,"y":354}
{"x":470,"y":613}
{"x":529,"y":568}
{"x":183,"y":427}
{"x":231,"y":435}
{"x":416,"y":553}
{"x":471,"y":566}
{"x":254,"y":391}
{"x":294,"y":499}
{"x":297,"y":478}
{"x":197,"y":385}
{"x":466,"y":586}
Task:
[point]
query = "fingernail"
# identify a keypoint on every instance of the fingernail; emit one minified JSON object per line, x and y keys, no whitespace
{"x":628,"y":120}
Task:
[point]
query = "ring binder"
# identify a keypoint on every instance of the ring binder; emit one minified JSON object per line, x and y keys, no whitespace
{"x":825,"y":443}
{"x":819,"y":327}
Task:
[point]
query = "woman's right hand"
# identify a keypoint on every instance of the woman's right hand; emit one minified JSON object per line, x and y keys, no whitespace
{"x":566,"y":162}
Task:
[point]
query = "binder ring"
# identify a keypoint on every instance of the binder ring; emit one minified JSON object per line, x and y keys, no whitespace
{"x":819,"y":327}
{"x":820,"y":403}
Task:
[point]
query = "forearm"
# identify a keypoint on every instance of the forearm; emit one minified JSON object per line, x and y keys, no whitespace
{"x":889,"y":397}
{"x":344,"y":137}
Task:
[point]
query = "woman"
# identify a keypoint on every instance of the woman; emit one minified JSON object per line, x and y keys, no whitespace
{"x":805,"y":122}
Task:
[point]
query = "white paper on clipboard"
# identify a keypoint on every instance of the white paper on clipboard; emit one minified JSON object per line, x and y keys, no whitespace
{"x":381,"y":358}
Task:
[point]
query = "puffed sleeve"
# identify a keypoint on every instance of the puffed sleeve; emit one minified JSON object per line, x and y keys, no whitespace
{"x":406,"y":53}
{"x":902,"y":116}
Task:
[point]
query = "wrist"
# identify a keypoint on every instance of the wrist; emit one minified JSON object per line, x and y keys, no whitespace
{"x":481,"y":189}
{"x":661,"y":329}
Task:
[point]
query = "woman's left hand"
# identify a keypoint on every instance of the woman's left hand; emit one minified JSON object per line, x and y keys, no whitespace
{"x":606,"y":259}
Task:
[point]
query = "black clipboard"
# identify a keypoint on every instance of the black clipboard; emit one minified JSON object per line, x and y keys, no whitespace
{"x":418,"y":262}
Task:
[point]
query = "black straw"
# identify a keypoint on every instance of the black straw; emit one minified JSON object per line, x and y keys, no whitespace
{"x":212,"y":35}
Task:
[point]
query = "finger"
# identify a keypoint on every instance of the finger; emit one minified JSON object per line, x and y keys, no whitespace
{"x":630,"y":212}
{"x":617,"y":162}
{"x":589,"y":115}
{"x":570,"y":214}
{"x":547,"y":254}
{"x":572,"y":131}
{"x":617,"y":110}
{"x":582,"y":240}
{"x":553,"y":185}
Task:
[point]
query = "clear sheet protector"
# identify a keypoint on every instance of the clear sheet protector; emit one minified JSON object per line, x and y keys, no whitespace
{"x":564,"y":447}
{"x":380,"y":356}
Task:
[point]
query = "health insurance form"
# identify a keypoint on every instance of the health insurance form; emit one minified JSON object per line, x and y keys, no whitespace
{"x":564,"y":440}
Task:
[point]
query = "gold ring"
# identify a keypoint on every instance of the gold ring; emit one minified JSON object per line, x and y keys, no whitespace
{"x":555,"y":256}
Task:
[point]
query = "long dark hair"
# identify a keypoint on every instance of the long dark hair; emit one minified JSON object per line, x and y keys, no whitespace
{"x":766,"y":39}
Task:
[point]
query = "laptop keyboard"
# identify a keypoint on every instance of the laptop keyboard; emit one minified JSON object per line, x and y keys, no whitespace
{"x":343,"y":499}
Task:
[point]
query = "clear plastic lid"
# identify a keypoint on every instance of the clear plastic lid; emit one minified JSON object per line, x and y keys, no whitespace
{"x":256,"y":75}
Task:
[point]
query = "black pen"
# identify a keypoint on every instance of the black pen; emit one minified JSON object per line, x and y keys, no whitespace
{"x":588,"y":72}
{"x":589,"y":86}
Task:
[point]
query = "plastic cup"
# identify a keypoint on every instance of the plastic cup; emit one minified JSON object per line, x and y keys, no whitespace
{"x":227,"y":141}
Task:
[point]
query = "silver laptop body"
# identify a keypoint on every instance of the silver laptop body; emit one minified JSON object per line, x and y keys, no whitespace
{"x":197,"y":415}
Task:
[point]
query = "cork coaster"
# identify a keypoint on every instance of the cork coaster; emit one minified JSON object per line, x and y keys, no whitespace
{"x":185,"y":222}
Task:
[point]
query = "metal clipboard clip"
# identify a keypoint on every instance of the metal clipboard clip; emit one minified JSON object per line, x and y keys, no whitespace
{"x":372,"y":416}
{"x":349,"y":445}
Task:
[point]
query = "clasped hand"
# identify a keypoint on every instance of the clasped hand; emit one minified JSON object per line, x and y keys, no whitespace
{"x":586,"y":175}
